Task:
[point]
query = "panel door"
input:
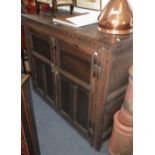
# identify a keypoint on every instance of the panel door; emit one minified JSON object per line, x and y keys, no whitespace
{"x":39,"y":74}
{"x":66,"y":96}
{"x":74,"y":102}
{"x":44,"y":78}
{"x":43,"y":45}
{"x":42,"y":55}
{"x":81,"y":106}
{"x":74,"y":61}
{"x":49,"y":82}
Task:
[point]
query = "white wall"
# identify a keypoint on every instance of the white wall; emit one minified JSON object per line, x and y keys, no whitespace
{"x":104,"y":2}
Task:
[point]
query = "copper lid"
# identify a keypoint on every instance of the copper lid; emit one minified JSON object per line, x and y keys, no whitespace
{"x":116,"y":18}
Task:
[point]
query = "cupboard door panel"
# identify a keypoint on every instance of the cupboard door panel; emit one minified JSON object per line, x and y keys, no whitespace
{"x":82,"y":106}
{"x":75,"y":62}
{"x":33,"y":69}
{"x":41,"y":46}
{"x":50,"y":82}
{"x":39,"y":73}
{"x":66,"y":96}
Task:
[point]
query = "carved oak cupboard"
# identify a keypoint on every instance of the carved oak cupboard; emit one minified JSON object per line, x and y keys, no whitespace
{"x":80,"y":72}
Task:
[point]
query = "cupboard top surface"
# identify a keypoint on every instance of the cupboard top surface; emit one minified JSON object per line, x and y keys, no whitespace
{"x":89,"y":33}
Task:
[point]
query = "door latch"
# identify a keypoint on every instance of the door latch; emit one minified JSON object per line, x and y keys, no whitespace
{"x":96,"y":66}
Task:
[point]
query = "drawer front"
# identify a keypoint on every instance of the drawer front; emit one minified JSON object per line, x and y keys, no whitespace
{"x":75,"y":61}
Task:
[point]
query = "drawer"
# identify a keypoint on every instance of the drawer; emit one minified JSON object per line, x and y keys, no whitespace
{"x":75,"y":61}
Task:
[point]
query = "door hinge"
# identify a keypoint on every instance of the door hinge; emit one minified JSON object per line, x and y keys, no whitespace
{"x":52,"y":41}
{"x":91,"y":127}
{"x":96,"y":66}
{"x":52,"y":68}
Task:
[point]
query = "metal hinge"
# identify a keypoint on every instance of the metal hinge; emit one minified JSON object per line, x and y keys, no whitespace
{"x":96,"y":66}
{"x":52,"y":41}
{"x":52,"y":68}
{"x":91,"y":127}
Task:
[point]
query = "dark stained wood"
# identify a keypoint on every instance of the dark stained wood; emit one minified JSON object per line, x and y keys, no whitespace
{"x":24,"y":149}
{"x":87,"y":37}
{"x":44,"y":78}
{"x":50,"y":82}
{"x":66,"y":96}
{"x":75,"y":61}
{"x":39,"y":74}
{"x":29,"y":138}
{"x":82,"y":107}
{"x":89,"y":70}
{"x":43,"y":45}
{"x":24,"y":146}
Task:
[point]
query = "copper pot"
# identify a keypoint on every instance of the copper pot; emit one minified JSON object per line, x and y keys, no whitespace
{"x":121,"y":141}
{"x":116,"y":18}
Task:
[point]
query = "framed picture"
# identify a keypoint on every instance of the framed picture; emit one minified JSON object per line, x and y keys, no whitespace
{"x":89,"y":4}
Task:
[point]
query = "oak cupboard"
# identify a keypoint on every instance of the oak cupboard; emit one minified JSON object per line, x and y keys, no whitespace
{"x":80,"y":72}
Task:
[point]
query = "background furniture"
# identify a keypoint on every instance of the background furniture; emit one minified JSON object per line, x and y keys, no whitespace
{"x":28,"y":6}
{"x":24,"y":146}
{"x":23,"y":47}
{"x":81,"y":73}
{"x":24,"y":53}
{"x":29,"y":138}
{"x":55,"y":4}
